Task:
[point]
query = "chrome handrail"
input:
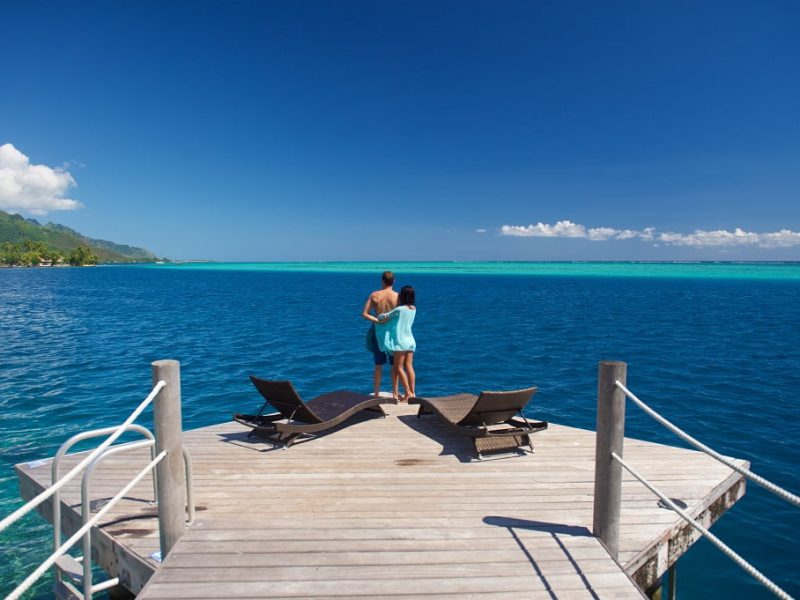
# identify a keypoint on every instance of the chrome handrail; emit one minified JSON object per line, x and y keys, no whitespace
{"x":187,"y":462}
{"x":88,"y":588}
{"x":62,"y":451}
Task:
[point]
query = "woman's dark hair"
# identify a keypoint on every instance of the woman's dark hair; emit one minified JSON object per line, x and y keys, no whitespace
{"x":406,"y":297}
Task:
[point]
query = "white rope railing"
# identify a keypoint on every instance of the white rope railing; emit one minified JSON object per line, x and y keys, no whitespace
{"x":766,"y":484}
{"x":21,"y":588}
{"x":30,"y":505}
{"x":746,"y":566}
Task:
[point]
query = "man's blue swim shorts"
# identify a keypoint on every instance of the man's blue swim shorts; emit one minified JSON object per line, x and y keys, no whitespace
{"x":380,"y":357}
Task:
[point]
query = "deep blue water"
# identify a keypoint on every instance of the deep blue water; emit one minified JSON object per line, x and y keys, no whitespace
{"x":719,"y":356}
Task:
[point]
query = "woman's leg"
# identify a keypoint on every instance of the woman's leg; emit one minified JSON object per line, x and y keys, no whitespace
{"x":395,"y":391}
{"x":395,"y":378}
{"x":412,"y":376}
{"x":400,"y":363}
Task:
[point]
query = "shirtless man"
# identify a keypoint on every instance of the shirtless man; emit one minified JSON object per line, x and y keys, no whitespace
{"x":380,"y":301}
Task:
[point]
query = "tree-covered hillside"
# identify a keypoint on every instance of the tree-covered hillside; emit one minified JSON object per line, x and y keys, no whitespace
{"x":15,"y":229}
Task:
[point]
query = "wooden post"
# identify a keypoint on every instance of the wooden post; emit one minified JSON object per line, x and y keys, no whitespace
{"x":610,"y":437}
{"x":170,"y":471}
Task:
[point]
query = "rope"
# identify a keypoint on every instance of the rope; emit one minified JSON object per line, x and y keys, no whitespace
{"x":766,"y":484}
{"x":748,"y":568}
{"x":25,"y":509}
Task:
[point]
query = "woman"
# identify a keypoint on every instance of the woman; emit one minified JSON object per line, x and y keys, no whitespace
{"x":399,"y":341}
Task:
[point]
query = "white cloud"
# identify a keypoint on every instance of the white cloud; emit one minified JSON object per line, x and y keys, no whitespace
{"x":784,"y":238}
{"x":629,"y":234}
{"x":36,"y":189}
{"x":738,"y":237}
{"x":601,"y":234}
{"x":699,"y":238}
{"x":480,"y":230}
{"x":560,"y":229}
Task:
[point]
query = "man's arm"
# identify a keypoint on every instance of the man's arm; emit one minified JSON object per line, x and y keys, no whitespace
{"x":388,"y":316}
{"x":367,"y":307}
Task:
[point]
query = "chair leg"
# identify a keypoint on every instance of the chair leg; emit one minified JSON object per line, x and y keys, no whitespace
{"x":266,"y":432}
{"x":290,"y":440}
{"x":379,"y":409}
{"x":475,"y":447}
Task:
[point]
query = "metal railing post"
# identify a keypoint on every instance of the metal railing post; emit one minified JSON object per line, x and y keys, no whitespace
{"x":170,"y":471}
{"x":672,"y":586}
{"x":610,"y":438}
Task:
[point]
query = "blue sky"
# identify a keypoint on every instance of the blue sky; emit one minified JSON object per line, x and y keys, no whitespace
{"x":408,"y":130}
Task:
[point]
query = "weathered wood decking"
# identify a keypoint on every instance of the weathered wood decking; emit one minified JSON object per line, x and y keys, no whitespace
{"x":395,"y":507}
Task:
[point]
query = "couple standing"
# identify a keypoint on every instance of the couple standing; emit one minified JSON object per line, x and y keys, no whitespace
{"x":392,"y":315}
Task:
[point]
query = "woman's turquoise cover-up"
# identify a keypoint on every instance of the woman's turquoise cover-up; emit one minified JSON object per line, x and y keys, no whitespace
{"x":396,"y":336}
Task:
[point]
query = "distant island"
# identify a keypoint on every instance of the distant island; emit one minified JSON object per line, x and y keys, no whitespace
{"x":26,"y":242}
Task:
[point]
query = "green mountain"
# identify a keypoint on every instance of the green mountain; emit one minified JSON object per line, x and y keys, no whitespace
{"x":17,"y":229}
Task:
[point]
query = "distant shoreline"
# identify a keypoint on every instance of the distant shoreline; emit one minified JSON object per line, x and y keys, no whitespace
{"x":67,"y":265}
{"x":61,"y":266}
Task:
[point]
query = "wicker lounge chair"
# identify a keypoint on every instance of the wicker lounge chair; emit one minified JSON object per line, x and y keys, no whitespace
{"x":295,"y":417}
{"x":489,"y":419}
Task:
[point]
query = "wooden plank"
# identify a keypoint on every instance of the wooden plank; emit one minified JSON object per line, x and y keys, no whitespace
{"x":403,"y":587}
{"x":420,"y":570}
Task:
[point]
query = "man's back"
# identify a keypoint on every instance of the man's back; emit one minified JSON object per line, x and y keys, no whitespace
{"x":382,"y":301}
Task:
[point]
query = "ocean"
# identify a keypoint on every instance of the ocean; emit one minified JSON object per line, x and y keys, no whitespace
{"x":714,"y":347}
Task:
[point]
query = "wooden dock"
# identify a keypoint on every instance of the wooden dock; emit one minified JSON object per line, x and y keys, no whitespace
{"x":392,"y":507}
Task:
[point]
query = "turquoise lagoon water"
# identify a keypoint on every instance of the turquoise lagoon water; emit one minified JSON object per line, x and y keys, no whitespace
{"x":713,"y":346}
{"x":671,"y":270}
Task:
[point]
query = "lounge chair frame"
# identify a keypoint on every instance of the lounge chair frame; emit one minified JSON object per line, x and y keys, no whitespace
{"x":295,"y":418}
{"x":494,"y":420}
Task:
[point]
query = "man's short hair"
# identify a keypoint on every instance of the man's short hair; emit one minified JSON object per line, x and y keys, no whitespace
{"x":387,"y":277}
